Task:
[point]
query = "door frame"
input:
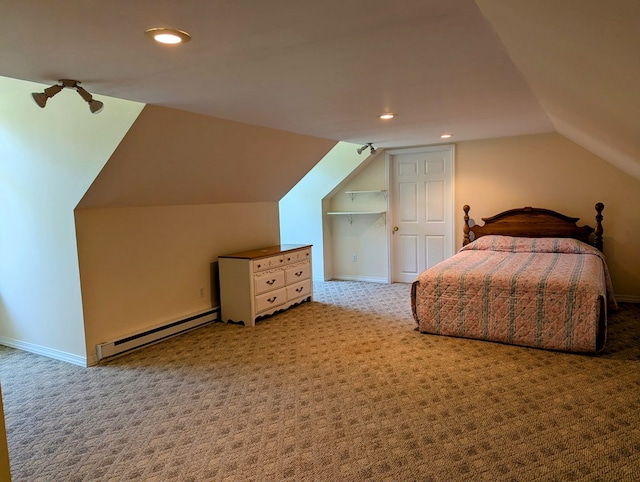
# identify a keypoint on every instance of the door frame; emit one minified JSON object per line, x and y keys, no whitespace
{"x":392,"y":215}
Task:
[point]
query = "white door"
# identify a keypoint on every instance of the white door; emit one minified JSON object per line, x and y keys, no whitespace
{"x":422,"y":210}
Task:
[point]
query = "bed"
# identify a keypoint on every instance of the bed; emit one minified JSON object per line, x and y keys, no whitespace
{"x":527,"y":276}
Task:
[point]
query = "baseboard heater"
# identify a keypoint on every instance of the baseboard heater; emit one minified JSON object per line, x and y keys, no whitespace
{"x":117,"y":347}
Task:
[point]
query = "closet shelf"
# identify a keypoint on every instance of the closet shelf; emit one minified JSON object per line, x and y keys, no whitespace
{"x":352,"y":194}
{"x":357,"y":212}
{"x":349,"y":214}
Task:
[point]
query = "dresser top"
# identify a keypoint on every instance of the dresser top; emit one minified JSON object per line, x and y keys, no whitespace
{"x":266,"y":252}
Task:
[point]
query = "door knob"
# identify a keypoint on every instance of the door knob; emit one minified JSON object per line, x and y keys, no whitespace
{"x":395,"y":228}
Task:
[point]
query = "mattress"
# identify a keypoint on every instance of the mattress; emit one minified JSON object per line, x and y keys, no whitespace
{"x":550,"y":293}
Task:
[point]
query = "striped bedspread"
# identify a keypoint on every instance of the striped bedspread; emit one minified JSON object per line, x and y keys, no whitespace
{"x":548,"y":293}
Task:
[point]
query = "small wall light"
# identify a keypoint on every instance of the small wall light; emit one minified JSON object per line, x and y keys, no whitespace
{"x":368,"y":145}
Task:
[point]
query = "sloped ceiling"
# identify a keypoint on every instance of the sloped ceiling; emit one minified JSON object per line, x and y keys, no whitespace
{"x":320,"y":68}
{"x":581,"y":59}
{"x":326,"y":69}
{"x":172,"y":157}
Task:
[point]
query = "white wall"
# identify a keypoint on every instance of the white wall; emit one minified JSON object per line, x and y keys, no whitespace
{"x":48,"y":159}
{"x":301,"y":208}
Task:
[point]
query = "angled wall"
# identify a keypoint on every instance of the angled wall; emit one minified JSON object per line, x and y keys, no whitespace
{"x":48,"y":159}
{"x":580,"y":59}
{"x":301,"y":220}
{"x":180,"y":190}
{"x":171,"y":157}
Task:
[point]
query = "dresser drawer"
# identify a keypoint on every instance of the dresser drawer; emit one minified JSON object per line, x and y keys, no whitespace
{"x":297,"y":272}
{"x":271,"y":299}
{"x":268,"y":280}
{"x":268,"y":263}
{"x":299,"y":289}
{"x":296,"y":256}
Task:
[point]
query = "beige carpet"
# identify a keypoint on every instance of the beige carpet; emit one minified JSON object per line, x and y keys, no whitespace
{"x":341,"y":388}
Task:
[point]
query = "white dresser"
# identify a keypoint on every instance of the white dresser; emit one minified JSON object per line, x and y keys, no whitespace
{"x":260,"y":282}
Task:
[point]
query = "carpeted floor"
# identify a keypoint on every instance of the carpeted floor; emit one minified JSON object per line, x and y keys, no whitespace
{"x":342,"y":388}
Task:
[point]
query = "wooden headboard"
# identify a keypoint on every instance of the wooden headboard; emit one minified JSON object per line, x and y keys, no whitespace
{"x":535,"y":223}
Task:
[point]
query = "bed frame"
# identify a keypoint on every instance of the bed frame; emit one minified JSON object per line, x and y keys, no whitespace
{"x":535,"y":223}
{"x":438,"y":302}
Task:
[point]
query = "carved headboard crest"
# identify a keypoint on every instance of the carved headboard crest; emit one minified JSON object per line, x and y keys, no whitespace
{"x":533,"y":222}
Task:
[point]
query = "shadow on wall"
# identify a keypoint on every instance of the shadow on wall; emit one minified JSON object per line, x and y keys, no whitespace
{"x":215,"y":285}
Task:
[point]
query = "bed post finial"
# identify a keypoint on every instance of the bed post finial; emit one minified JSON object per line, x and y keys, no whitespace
{"x":466,"y":239}
{"x":597,"y":240}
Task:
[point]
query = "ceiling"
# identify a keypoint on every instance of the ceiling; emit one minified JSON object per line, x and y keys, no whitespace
{"x":328,"y":68}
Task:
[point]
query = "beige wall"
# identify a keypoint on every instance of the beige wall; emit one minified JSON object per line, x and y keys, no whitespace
{"x":550,"y":171}
{"x":544,"y":170}
{"x":179,"y":190}
{"x":586,"y":82}
{"x":364,"y":236}
{"x":143,"y":267}
{"x":171,"y":157}
{"x":53,"y":161}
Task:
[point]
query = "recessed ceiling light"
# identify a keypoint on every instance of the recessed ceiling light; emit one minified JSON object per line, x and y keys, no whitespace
{"x":445,"y":136}
{"x":168,"y":36}
{"x":387,"y":115}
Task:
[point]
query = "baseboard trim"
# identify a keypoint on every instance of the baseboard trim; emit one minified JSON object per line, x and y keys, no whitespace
{"x":44,"y":351}
{"x":628,"y":298}
{"x":360,"y":278}
{"x":134,"y":341}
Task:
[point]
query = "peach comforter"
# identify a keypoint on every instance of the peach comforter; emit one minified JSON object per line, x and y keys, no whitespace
{"x":550,"y":293}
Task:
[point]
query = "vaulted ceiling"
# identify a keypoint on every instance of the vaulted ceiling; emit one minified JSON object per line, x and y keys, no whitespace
{"x":475,"y":69}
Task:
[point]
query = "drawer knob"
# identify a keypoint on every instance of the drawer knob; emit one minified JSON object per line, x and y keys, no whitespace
{"x":270,"y":282}
{"x":272,"y":299}
{"x":299,"y":273}
{"x":298,"y":290}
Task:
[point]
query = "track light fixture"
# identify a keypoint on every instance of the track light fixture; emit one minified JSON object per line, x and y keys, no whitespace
{"x":368,"y":145}
{"x":41,"y":98}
